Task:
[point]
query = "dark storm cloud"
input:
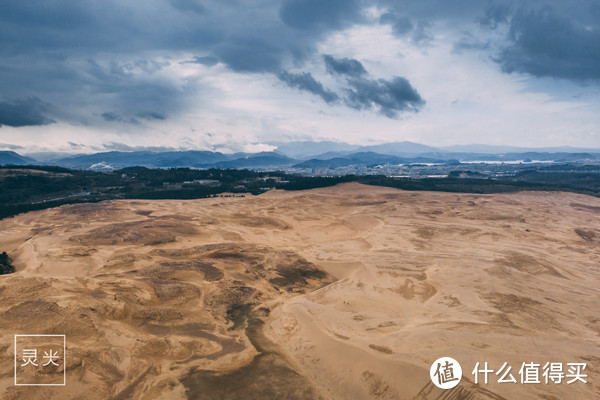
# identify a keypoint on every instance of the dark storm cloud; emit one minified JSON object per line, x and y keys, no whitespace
{"x":418,"y":20}
{"x":401,"y":25}
{"x":544,"y":42}
{"x":24,"y":112}
{"x":344,"y":66}
{"x":389,"y":97}
{"x":546,"y":38}
{"x":111,"y":117}
{"x":91,"y":60}
{"x":495,"y":13}
{"x":455,"y":11}
{"x":257,"y":43}
{"x":305,"y":81}
{"x":68,"y":28}
{"x":320,"y":14}
{"x":251,"y":54}
{"x":133,"y":93}
{"x":77,"y":87}
{"x":77,"y":55}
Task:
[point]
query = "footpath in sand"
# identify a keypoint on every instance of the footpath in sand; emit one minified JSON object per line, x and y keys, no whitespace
{"x":348,"y":292}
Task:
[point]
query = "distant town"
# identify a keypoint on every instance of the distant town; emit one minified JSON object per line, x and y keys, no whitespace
{"x":27,"y":187}
{"x":43,"y":180}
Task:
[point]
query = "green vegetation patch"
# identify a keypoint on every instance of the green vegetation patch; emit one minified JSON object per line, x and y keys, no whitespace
{"x":5,"y":266}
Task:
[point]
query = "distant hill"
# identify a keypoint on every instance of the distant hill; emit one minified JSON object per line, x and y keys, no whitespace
{"x":170,"y":159}
{"x":399,"y":148}
{"x":335,"y":162}
{"x":320,"y":150}
{"x":515,"y":156}
{"x":265,"y":160}
{"x":120,"y":159}
{"x":305,"y":154}
{"x":309,"y":149}
{"x":10,"y":157}
{"x":492,"y":149}
{"x":365,"y":158}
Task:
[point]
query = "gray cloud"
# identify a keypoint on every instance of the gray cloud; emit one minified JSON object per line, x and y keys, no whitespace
{"x":135,"y":94}
{"x":546,"y":43}
{"x":495,"y":13}
{"x":115,"y":117}
{"x":111,"y":116}
{"x":546,"y":38}
{"x":74,"y":54}
{"x":11,"y":146}
{"x":149,"y":115}
{"x":116,"y":146}
{"x":251,"y":54}
{"x":209,"y":61}
{"x":76,"y":146}
{"x":422,"y":34}
{"x":189,"y":5}
{"x":24,"y":112}
{"x":469,"y":41}
{"x":305,"y":81}
{"x":402,"y":26}
{"x":344,"y":66}
{"x":320,"y":14}
{"x":92,"y":59}
{"x":434,"y":10}
{"x":389,"y":97}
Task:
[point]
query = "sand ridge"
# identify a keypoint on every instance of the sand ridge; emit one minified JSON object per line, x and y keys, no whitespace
{"x":348,"y":292}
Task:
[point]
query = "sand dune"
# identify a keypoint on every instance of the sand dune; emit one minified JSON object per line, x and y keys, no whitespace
{"x":349,"y":292}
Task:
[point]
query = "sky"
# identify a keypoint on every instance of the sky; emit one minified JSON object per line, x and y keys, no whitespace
{"x":88,"y":76}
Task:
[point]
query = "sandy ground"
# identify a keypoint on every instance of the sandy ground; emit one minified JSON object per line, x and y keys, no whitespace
{"x":349,"y":292}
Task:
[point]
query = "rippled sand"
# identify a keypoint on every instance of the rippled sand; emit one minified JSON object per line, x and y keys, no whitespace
{"x":349,"y":292}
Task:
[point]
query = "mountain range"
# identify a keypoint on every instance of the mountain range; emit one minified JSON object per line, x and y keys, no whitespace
{"x":10,"y":157}
{"x":305,"y":154}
